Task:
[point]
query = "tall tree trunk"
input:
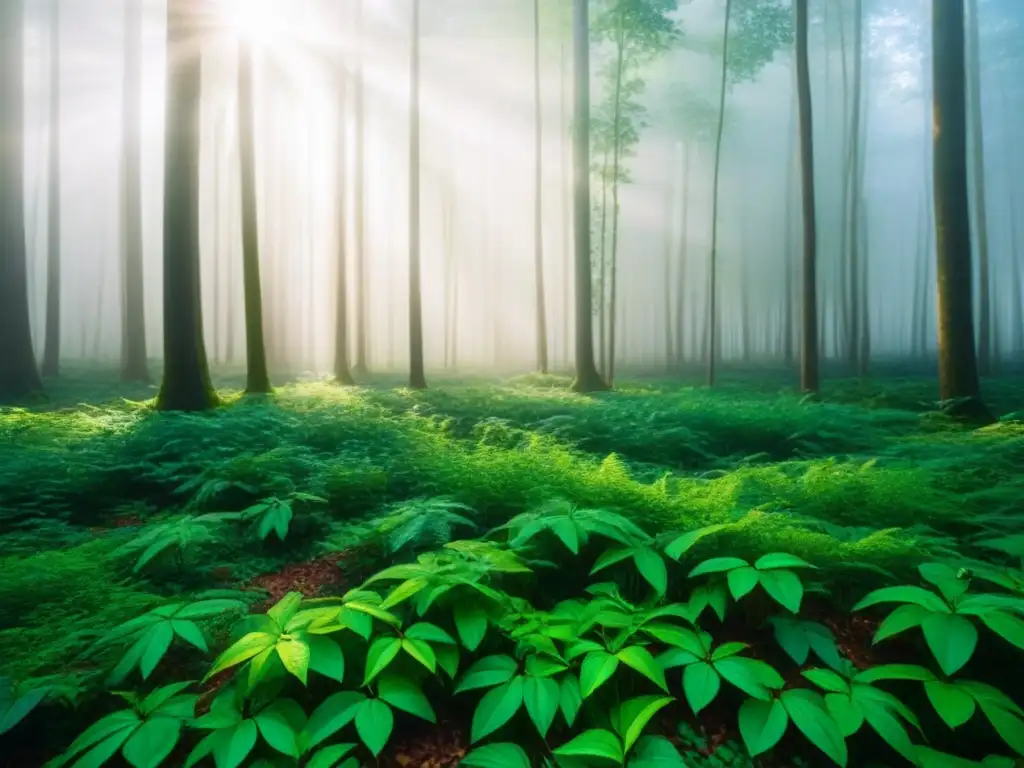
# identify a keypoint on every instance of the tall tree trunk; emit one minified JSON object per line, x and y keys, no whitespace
{"x":587,"y":377}
{"x":666,"y":278}
{"x":342,"y":372}
{"x":359,"y":107}
{"x":538,"y":201}
{"x":958,"y":370}
{"x":789,"y":299}
{"x":977,"y":145}
{"x":417,"y":376}
{"x":18,"y":373}
{"x":616,"y":162}
{"x":564,"y":150}
{"x":809,"y":377}
{"x":257,"y":380}
{"x":51,"y":346}
{"x":712,"y":317}
{"x":186,"y":383}
{"x":684,"y":231}
{"x":853,"y":196}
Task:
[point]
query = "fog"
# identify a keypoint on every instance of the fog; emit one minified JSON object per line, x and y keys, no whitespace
{"x":477,"y":185}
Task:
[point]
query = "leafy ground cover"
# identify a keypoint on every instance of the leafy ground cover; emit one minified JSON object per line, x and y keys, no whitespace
{"x":137,"y":549}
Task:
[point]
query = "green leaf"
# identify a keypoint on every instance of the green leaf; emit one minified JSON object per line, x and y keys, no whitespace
{"x":285,"y":608}
{"x":105,"y":727}
{"x":404,"y":591}
{"x":159,"y":699}
{"x":422,"y":652}
{"x":751,"y":676}
{"x":953,"y":704}
{"x":845,"y":711}
{"x":13,"y":712}
{"x":448,"y":659}
{"x":328,"y":757}
{"x":678,"y":637}
{"x":103,"y":751}
{"x":295,"y":656}
{"x":1009,"y":726}
{"x":487,"y":672}
{"x":808,"y":712}
{"x":374,"y":723}
{"x":891,"y":730}
{"x":682,"y":544}
{"x":894,"y":672}
{"x":945,"y":578}
{"x":742,"y":581}
{"x":406,"y":695}
{"x":326,"y":658}
{"x":567,"y":530}
{"x":382,"y":652}
{"x":152,"y":742}
{"x":158,"y":640}
{"x":190,"y":633}
{"x":248,"y":646}
{"x":543,"y":666}
{"x":641,"y":660}
{"x":728,"y":650}
{"x":762,"y":724}
{"x":610,"y":558}
{"x":597,"y":668}
{"x":652,"y":568}
{"x":916,"y":595}
{"x":594,"y":743}
{"x":496,"y":708}
{"x":541,"y":697}
{"x":701,"y":684}
{"x":1007,"y":626}
{"x":827,"y":679}
{"x":987,"y":694}
{"x":206,"y":609}
{"x":951,"y":638}
{"x":903,"y":618}
{"x":785,"y":588}
{"x":570,"y":699}
{"x":429,"y":633}
{"x":333,"y":714}
{"x":780,"y":560}
{"x":231,"y":751}
{"x":656,"y":752}
{"x":470,"y":623}
{"x":717,"y":565}
{"x":278,"y":731}
{"x":633,"y":716}
{"x":497,"y":756}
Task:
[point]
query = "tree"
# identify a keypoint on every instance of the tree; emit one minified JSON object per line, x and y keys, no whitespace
{"x":359,"y":107}
{"x":134,"y":365}
{"x":19,"y":376}
{"x":51,"y":345}
{"x":417,"y":377}
{"x":186,"y":382}
{"x":538,"y":210}
{"x":342,"y":374}
{"x":958,"y":369}
{"x":809,"y":378}
{"x":587,"y":377}
{"x":257,"y":378}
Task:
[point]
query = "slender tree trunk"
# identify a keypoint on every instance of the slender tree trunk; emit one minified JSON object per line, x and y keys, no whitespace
{"x":565,"y":148}
{"x":342,"y":373}
{"x":417,"y":377}
{"x":538,"y":201}
{"x":602,"y":273}
{"x":681,"y":285}
{"x":359,"y":107}
{"x":186,"y":382}
{"x":587,"y":377}
{"x":789,"y":299}
{"x":958,"y":370}
{"x":1016,"y":279}
{"x":51,"y":346}
{"x":19,"y":376}
{"x":616,"y":162}
{"x":712,"y":320}
{"x":666,"y":279}
{"x":809,"y":377}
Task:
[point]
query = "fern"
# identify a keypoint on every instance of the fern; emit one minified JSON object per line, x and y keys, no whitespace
{"x":425,"y":524}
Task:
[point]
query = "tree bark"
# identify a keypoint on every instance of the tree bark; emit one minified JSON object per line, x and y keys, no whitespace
{"x":809,"y":377}
{"x":958,"y":370}
{"x":361,"y":367}
{"x":51,"y":346}
{"x":417,"y":376}
{"x":186,"y":382}
{"x":19,"y":376}
{"x":587,"y":377}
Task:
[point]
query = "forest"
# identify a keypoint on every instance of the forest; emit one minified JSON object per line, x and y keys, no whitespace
{"x":511,"y":383}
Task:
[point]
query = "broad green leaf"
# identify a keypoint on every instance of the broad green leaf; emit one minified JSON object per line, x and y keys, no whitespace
{"x":846,"y":712}
{"x":1006,"y":625}
{"x":333,"y":714}
{"x":429,"y":633}
{"x":678,"y":637}
{"x":652,"y":568}
{"x":328,"y":757}
{"x":568,"y":531}
{"x":907,"y":594}
{"x":784,"y":587}
{"x":278,"y":731}
{"x":594,"y":743}
{"x":633,"y":715}
{"x":543,"y":666}
{"x":675,"y":657}
{"x":891,"y":730}
{"x":13,"y":712}
{"x":103,"y":751}
{"x":762,"y":724}
{"x":496,"y":708}
{"x":158,"y":640}
{"x":294,"y":654}
{"x":487,"y":672}
{"x":780,"y":560}
{"x":161,"y":696}
{"x":987,"y":694}
{"x":717,"y":565}
{"x":285,"y":608}
{"x":541,"y":697}
{"x":945,"y":578}
{"x":325,"y":657}
{"x":261,"y":665}
{"x":953,"y":704}
{"x":682,"y":544}
{"x":405,"y":694}
{"x":903,"y":618}
{"x":152,"y":742}
{"x":656,"y":752}
{"x":808,"y":712}
{"x":470,"y":623}
{"x":497,"y":756}
{"x":1009,"y":726}
{"x":448,"y":659}
{"x":894,"y":672}
{"x":422,"y":652}
{"x":951,"y":638}
{"x":701,"y":684}
{"x":641,"y":660}
{"x":190,"y":633}
{"x":610,"y":558}
{"x":597,"y":668}
{"x":206,"y":609}
{"x":570,"y":699}
{"x":742,"y":581}
{"x":404,"y":591}
{"x":827,"y":680}
{"x":727,"y":650}
{"x":125,"y":720}
{"x":869,"y":698}
{"x":751,"y":676}
{"x":374,"y":724}
{"x":248,"y":646}
{"x":382,"y":652}
{"x":374,"y":611}
{"x":231,"y":751}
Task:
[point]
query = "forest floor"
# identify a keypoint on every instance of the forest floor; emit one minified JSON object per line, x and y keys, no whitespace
{"x":867,"y":482}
